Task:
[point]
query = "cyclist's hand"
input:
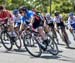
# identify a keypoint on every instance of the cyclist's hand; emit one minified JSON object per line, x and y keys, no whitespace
{"x":3,"y":19}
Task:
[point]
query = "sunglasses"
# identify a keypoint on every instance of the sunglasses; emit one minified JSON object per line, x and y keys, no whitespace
{"x":21,"y":12}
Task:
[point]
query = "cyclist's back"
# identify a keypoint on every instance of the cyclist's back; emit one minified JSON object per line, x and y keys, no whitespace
{"x":4,"y":14}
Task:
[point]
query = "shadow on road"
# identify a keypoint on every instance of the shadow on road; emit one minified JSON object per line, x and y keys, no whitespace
{"x":50,"y":57}
{"x":16,"y":51}
{"x":70,"y":48}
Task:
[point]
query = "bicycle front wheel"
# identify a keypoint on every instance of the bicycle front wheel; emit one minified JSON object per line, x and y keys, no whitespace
{"x":17,"y":40}
{"x":6,"y":40}
{"x":33,"y":50}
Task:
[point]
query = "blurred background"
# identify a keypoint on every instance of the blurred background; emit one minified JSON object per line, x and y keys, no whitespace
{"x":63,"y":6}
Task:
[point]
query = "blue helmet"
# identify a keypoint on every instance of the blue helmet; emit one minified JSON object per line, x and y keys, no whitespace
{"x":15,"y":11}
{"x":71,"y":14}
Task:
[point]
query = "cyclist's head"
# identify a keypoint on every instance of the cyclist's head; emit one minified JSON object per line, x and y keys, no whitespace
{"x":1,"y":8}
{"x":48,"y":15}
{"x":23,"y":10}
{"x":34,"y":10}
{"x":15,"y":12}
{"x":71,"y":14}
{"x":56,"y":13}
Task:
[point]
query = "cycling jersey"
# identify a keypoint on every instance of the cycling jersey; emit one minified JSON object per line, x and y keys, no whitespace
{"x":58,"y":19}
{"x":59,"y":22}
{"x":5,"y":14}
{"x":37,"y":22}
{"x":49,"y":20}
{"x":17,"y":19}
{"x":71,"y":22}
{"x":28,"y":17}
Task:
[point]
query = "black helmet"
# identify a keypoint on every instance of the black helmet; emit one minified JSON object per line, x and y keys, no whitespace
{"x":23,"y":8}
{"x":1,"y":7}
{"x":56,"y":13}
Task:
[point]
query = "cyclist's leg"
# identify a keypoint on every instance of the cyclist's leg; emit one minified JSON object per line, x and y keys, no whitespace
{"x":17,"y":27}
{"x":42,"y":33}
{"x":11,"y":29}
{"x":63,"y":30}
{"x":57,"y":30}
{"x":71,"y":28}
{"x":65,"y":34}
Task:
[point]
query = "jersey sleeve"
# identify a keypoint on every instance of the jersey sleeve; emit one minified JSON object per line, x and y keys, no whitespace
{"x":31,"y":14}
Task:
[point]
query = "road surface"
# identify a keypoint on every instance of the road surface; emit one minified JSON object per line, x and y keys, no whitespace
{"x":65,"y":56}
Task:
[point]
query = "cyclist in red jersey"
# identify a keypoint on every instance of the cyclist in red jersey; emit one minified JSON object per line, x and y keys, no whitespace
{"x":6,"y":17}
{"x":4,"y":14}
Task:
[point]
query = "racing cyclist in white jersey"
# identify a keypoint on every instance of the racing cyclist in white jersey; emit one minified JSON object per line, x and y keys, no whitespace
{"x":51,"y":26}
{"x":60,"y":23}
{"x":71,"y":22}
{"x":16,"y":19}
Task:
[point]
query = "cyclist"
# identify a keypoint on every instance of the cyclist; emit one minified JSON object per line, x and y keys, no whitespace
{"x":50,"y":23}
{"x":59,"y":23}
{"x":7,"y":18}
{"x":71,"y":22}
{"x":33,"y":20}
{"x":5,"y":15}
{"x":16,"y":19}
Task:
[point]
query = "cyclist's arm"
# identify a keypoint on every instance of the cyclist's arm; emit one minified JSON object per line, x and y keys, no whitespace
{"x":69,"y":24}
{"x":31,"y":20}
{"x":2,"y":19}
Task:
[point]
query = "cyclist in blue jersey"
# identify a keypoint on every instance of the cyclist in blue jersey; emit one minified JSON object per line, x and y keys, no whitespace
{"x":32,"y":19}
{"x":27,"y":16}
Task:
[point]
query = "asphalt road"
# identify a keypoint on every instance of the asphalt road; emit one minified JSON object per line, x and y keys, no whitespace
{"x":65,"y":56}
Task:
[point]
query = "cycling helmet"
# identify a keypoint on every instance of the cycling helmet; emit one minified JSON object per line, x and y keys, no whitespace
{"x":15,"y":11}
{"x":56,"y":13}
{"x":23,"y":8}
{"x":71,"y":14}
{"x":48,"y":15}
{"x":1,"y":7}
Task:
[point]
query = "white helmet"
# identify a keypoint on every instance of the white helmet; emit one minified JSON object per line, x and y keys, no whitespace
{"x":48,"y":15}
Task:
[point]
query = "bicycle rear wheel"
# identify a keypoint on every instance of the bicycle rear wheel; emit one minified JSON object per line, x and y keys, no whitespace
{"x":17,"y":40}
{"x":33,"y":50}
{"x":6,"y":40}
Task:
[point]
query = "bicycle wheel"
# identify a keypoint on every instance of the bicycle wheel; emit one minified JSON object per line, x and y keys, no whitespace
{"x":34,"y":50}
{"x":18,"y":42}
{"x":52,"y":46}
{"x":6,"y":40}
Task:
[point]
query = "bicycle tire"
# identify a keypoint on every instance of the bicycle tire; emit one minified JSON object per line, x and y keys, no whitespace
{"x":8,"y":48}
{"x":40,"y":51}
{"x":20,"y":44}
